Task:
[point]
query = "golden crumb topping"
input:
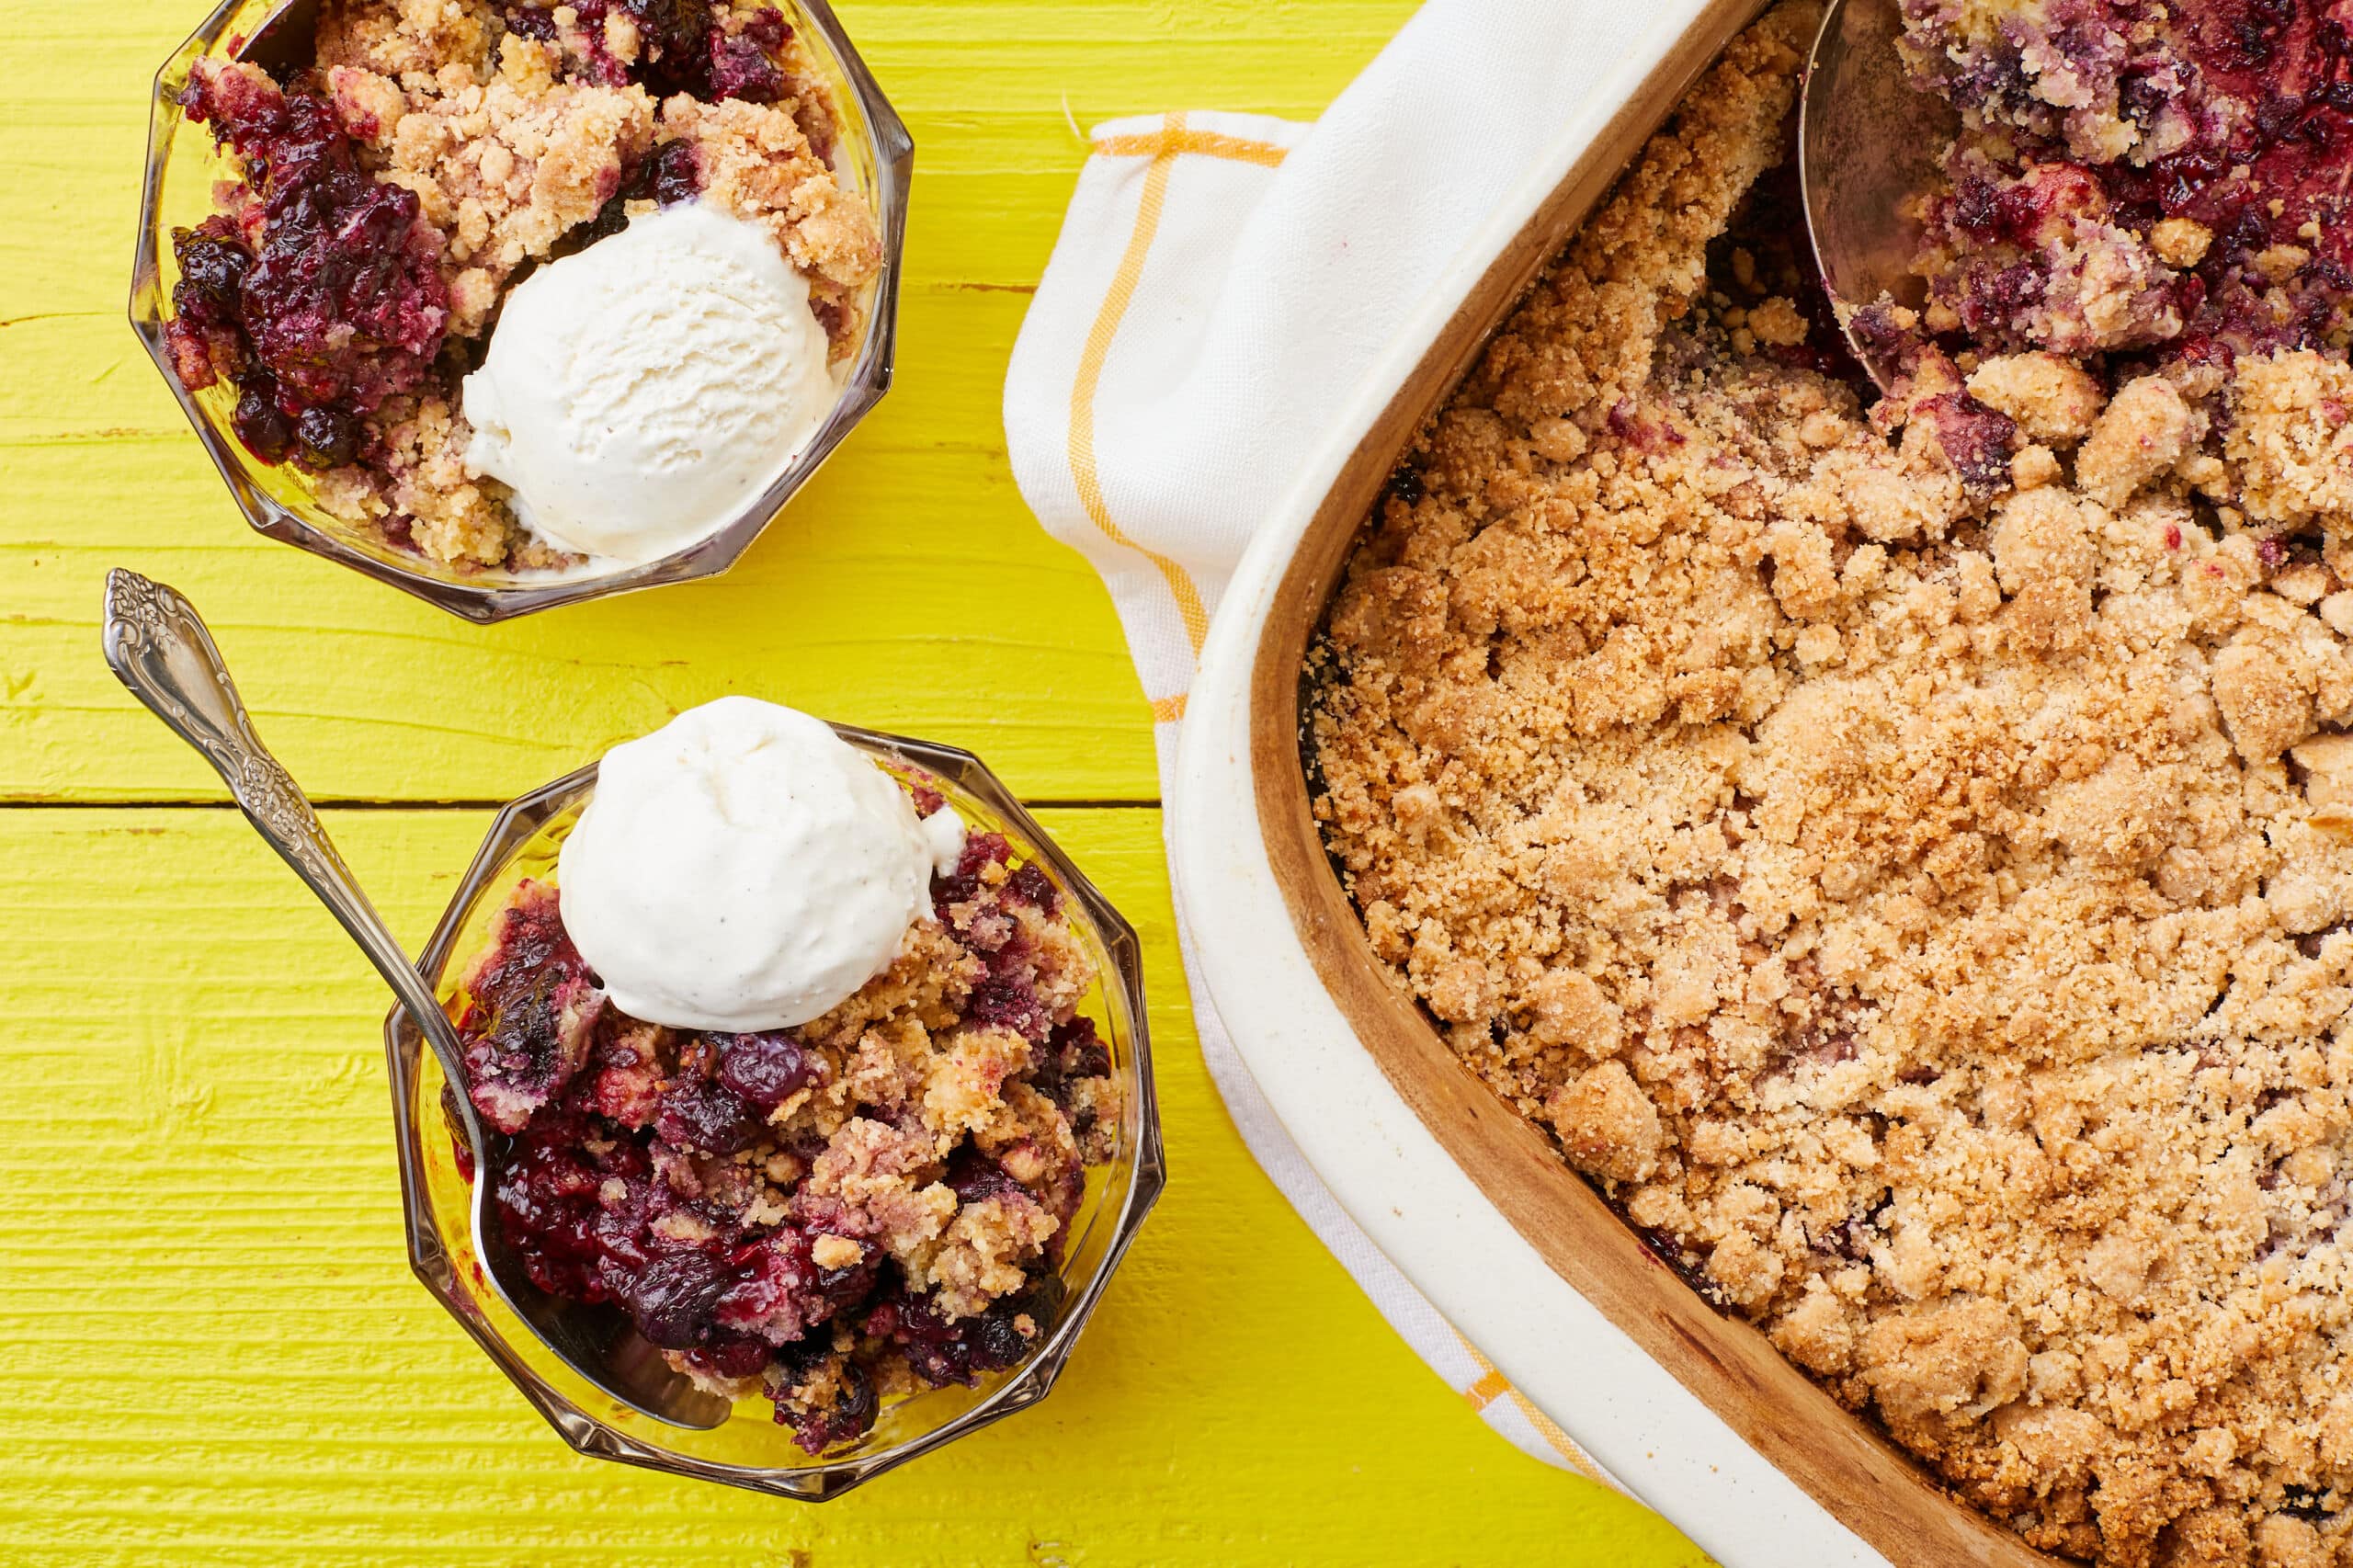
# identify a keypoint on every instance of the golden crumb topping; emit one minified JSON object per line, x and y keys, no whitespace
{"x":1920,"y":903}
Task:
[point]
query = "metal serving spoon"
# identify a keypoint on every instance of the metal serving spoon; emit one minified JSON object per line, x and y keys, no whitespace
{"x":1867,"y":139}
{"x":159,"y":648}
{"x":284,"y":44}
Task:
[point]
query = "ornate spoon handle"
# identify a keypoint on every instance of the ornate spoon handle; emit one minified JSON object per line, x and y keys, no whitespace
{"x":158,"y":646}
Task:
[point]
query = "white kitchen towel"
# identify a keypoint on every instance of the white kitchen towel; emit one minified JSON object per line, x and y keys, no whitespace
{"x":1223,"y":282}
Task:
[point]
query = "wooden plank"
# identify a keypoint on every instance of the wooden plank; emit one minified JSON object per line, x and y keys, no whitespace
{"x":212,"y":1352}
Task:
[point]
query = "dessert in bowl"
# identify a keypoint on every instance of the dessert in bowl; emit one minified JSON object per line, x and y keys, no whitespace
{"x":1887,"y":847}
{"x":827,"y":1078}
{"x":512,"y":304}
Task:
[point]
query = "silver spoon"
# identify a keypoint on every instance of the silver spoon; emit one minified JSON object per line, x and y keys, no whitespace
{"x":1867,"y":140}
{"x":159,"y":648}
{"x":283,"y":44}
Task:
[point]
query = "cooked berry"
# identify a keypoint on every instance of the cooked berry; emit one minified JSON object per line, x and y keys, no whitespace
{"x":745,"y":65}
{"x":732,"y":1355}
{"x":674,"y":174}
{"x":764,"y":1069}
{"x":976,"y":1179}
{"x":708,"y":1117}
{"x":258,"y":421}
{"x":671,"y":1298}
{"x":1011,"y":1003}
{"x":1030,"y":885}
{"x":328,"y":437}
{"x":942,"y":1351}
{"x":212,"y":275}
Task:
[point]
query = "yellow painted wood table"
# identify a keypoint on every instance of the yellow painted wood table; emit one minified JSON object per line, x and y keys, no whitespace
{"x":210,"y":1350}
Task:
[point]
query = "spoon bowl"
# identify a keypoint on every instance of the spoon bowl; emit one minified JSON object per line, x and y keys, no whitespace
{"x":158,"y":646}
{"x":1867,"y":141}
{"x":282,"y":45}
{"x":598,"y":1342}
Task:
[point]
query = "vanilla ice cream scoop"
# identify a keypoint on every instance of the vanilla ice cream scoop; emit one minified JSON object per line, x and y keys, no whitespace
{"x":742,"y":868}
{"x":638,"y":394}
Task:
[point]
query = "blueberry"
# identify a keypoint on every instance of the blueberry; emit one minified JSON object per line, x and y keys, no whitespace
{"x":708,"y":1117}
{"x":674,"y":174}
{"x":764,"y":1069}
{"x":329,"y":438}
{"x":258,"y":422}
{"x":212,"y":275}
{"x":671,"y":1299}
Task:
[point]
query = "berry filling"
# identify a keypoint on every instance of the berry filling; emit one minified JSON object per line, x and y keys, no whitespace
{"x":2186,"y":202}
{"x":321,"y":296}
{"x":683,"y":46}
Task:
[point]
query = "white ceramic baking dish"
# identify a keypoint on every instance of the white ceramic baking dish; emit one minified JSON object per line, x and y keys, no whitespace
{"x":1693,"y":1411}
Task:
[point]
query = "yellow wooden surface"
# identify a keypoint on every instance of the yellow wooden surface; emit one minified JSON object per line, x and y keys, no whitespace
{"x":210,"y":1351}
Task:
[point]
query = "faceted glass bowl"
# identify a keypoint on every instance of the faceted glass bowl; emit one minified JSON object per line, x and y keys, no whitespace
{"x":750,"y":1449}
{"x":873,"y":153}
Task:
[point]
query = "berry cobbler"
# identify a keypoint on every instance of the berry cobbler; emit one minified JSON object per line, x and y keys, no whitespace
{"x":867,"y":1202}
{"x":1901,"y":846}
{"x":437,"y":155}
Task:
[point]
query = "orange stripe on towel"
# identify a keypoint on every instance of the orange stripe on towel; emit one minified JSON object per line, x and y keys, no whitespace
{"x":1201,"y":143}
{"x":1090,"y":380}
{"x":1492,"y":1383}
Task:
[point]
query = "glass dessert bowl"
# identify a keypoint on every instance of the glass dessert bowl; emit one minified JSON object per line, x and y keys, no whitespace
{"x":323,"y":376}
{"x":917,"y":1395}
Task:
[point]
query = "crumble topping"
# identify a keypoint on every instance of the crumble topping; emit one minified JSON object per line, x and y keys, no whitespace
{"x":1904,"y":854}
{"x":479,"y":137}
{"x":865,"y":1205}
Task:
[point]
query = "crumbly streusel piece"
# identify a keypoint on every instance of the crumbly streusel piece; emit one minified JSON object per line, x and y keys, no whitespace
{"x":1907,"y":861}
{"x":505,"y":168}
{"x":2291,"y":440}
{"x":419,"y":484}
{"x":407,"y":41}
{"x":757,"y":164}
